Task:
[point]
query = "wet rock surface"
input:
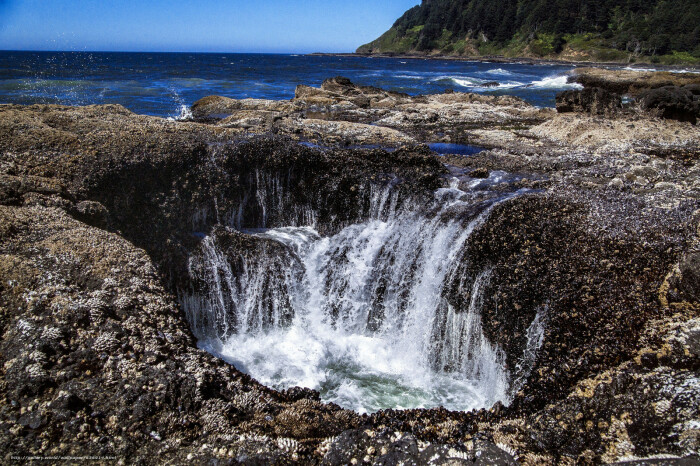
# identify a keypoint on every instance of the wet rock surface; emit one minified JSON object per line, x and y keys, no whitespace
{"x":100,"y":210}
{"x":596,"y":101}
{"x":630,"y":81}
{"x":674,"y":96}
{"x":342,"y":114}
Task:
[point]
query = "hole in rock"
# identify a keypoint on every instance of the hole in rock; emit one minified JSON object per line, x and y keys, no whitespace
{"x":380,"y":313}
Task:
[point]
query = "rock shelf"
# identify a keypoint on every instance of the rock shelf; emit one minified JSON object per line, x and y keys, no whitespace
{"x":100,"y":209}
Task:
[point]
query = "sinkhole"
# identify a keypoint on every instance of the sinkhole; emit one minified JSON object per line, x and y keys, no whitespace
{"x":364,"y":314}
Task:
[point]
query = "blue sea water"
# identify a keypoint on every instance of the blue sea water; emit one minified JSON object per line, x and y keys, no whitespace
{"x":164,"y":84}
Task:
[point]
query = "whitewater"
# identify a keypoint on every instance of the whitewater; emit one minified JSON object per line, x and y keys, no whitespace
{"x":362,"y":315}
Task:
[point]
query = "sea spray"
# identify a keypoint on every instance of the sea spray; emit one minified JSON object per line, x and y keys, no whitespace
{"x":360,"y":315}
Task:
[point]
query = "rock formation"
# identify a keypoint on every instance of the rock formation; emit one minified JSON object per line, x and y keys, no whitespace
{"x":674,"y":96}
{"x":101,"y":210}
{"x":595,"y":101}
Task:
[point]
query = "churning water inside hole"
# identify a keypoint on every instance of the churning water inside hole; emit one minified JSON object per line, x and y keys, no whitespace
{"x":363,"y":315}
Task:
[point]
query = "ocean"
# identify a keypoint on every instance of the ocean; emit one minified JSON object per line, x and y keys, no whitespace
{"x":166,"y":84}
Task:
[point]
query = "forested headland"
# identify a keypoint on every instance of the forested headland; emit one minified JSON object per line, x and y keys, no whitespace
{"x":654,"y":31}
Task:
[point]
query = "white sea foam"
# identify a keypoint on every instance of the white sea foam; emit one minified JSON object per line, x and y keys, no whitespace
{"x":371,"y":328}
{"x":500,"y":71}
{"x":682,"y":70}
{"x":510,"y":85}
{"x":634,"y":68}
{"x":184,"y":113}
{"x":555,"y":82}
{"x":504,"y":85}
{"x":463,"y":81}
{"x":409,"y":76}
{"x":550,"y":82}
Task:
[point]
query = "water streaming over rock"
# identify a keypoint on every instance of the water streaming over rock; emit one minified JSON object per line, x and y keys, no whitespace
{"x":360,"y":315}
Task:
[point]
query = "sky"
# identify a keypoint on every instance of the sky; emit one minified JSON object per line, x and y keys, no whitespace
{"x":284,"y":26}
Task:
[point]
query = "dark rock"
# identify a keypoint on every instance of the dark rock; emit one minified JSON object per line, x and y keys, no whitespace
{"x":32,"y":420}
{"x":95,"y":343}
{"x":491,"y":84}
{"x":444,"y":454}
{"x":672,"y":102}
{"x":403,"y":451}
{"x":340,"y":85}
{"x":596,"y":101}
{"x":69,"y":401}
{"x":301,"y":393}
{"x":689,"y":283}
{"x":348,"y":445}
{"x":631,"y":82}
{"x":693,"y":88}
{"x":481,"y":173}
{"x":488,"y":453}
{"x":92,"y":212}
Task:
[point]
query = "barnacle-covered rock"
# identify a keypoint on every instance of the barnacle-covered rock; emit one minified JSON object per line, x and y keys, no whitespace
{"x":101,"y":209}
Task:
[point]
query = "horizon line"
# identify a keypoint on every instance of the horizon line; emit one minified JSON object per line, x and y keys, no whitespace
{"x":175,"y":51}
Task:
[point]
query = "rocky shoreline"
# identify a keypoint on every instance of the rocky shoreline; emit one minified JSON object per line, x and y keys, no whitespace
{"x":101,"y":208}
{"x":517,"y":60}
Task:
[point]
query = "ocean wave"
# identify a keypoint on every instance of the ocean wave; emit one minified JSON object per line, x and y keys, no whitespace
{"x":462,"y":81}
{"x":408,"y":76}
{"x":555,"y":82}
{"x":501,"y":86}
{"x":631,"y":68}
{"x":480,"y":84}
{"x":510,"y":85}
{"x":500,"y":71}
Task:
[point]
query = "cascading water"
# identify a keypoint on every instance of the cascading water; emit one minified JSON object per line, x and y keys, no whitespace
{"x":360,"y":315}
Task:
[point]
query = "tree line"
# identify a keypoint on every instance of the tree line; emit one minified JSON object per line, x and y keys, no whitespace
{"x":649,"y":27}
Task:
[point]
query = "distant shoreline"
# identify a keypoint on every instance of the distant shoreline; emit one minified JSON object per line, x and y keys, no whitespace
{"x":497,"y":59}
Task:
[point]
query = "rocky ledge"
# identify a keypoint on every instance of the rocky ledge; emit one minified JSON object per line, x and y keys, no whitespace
{"x":100,"y":209}
{"x":626,"y":81}
{"x":664,"y":94}
{"x":342,"y":114}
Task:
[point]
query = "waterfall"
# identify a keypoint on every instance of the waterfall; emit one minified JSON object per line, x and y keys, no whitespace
{"x":248,"y":292}
{"x":360,"y":315}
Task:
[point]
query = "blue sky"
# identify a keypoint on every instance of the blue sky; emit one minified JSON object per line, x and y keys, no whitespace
{"x":191,"y":25}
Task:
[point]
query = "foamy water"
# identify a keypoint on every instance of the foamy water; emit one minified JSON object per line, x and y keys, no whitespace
{"x":370,"y":324}
{"x":508,"y":81}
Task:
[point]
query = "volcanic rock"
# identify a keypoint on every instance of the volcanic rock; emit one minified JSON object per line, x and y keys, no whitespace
{"x":479,"y":173}
{"x":101,"y":211}
{"x":630,"y":81}
{"x":672,"y":102}
{"x":595,"y":101}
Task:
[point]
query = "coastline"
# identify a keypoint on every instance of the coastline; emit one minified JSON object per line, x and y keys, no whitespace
{"x":520,"y":60}
{"x":110,"y":207}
